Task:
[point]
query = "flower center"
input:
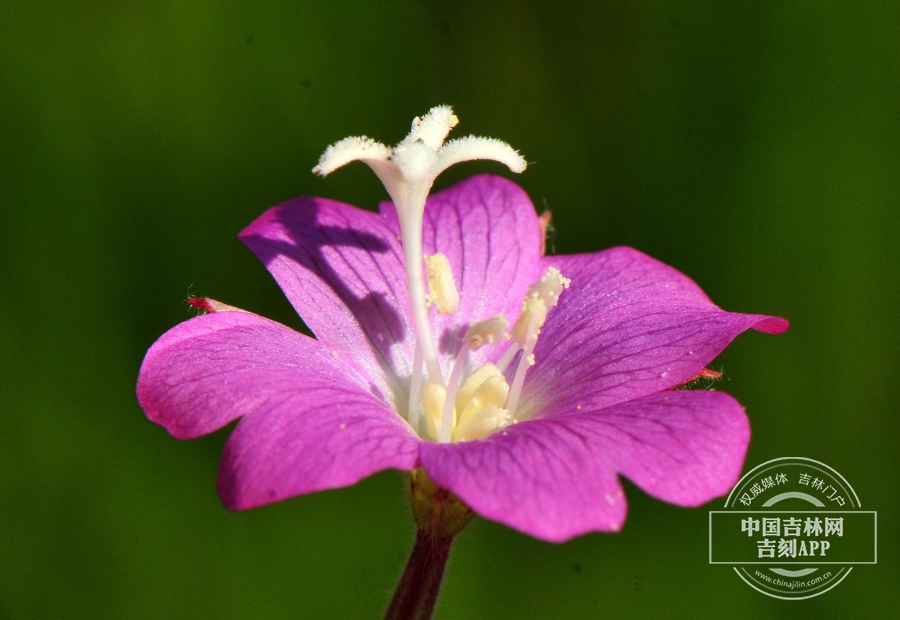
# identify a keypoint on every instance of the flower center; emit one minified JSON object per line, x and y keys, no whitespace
{"x":469,"y":406}
{"x":476,"y":405}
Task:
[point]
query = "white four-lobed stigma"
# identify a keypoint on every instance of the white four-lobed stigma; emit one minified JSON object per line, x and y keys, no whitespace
{"x":422,"y":155}
{"x":407,"y":172}
{"x":352,"y":149}
{"x":472,"y":403}
{"x":432,"y":129}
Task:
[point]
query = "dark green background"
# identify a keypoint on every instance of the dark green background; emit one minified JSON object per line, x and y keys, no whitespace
{"x":754,"y":145}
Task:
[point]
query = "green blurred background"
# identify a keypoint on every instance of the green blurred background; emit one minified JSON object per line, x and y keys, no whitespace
{"x":754,"y":146}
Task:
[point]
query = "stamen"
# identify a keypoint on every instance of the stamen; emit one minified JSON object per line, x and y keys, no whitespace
{"x":408,"y":172}
{"x":508,"y":356}
{"x":541,"y":297}
{"x":473,"y":382}
{"x":448,"y":412}
{"x":535,"y":319}
{"x":487,"y":332}
{"x":549,"y":287}
{"x":441,"y":284}
{"x":492,"y":393}
{"x":415,"y":389}
{"x":481,"y":424}
{"x":433,"y":397}
{"x":531,"y":319}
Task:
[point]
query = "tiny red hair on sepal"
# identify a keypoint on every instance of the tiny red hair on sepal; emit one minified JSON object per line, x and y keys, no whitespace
{"x":209,"y":306}
{"x":201,"y":303}
{"x":706,"y":373}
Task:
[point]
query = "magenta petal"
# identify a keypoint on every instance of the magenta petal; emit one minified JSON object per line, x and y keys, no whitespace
{"x":555,"y":478}
{"x":322,"y":436}
{"x":542,"y":478}
{"x":489,"y":231}
{"x":210,"y":370}
{"x":683,"y":447}
{"x":628,"y":326}
{"x":215,"y":368}
{"x":598,"y":403}
{"x":311,"y":420}
{"x":342,"y":269}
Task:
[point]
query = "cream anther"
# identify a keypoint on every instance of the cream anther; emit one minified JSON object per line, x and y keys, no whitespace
{"x":472,"y":383}
{"x":487,"y":332}
{"x":541,"y":297}
{"x":492,"y":393}
{"x":531,"y":319}
{"x":433,"y":396}
{"x":549,"y":287}
{"x":441,"y":285}
{"x":481,"y":424}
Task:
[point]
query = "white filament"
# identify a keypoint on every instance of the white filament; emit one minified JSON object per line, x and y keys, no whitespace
{"x":415,"y":389}
{"x":452,"y":386}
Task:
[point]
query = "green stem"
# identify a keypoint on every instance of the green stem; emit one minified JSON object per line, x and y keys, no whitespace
{"x":418,"y":589}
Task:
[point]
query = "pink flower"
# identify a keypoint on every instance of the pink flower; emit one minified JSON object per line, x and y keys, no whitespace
{"x":541,"y":446}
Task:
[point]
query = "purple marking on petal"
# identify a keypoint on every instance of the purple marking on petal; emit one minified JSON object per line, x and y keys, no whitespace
{"x":342,"y":269}
{"x":212,"y":369}
{"x":321,"y":414}
{"x":323,"y":437}
{"x":541,"y":478}
{"x":488,"y":229}
{"x":555,"y":478}
{"x":683,"y":447}
{"x":310,"y":418}
{"x":628,"y":326}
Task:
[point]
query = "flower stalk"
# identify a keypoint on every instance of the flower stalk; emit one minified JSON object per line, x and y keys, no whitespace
{"x":439,"y":516}
{"x":420,"y":584}
{"x":542,"y":454}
